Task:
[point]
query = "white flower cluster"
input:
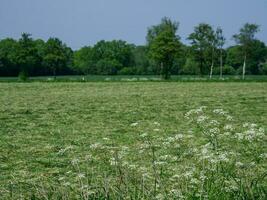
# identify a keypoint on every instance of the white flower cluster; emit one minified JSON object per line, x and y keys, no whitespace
{"x":252,"y":134}
{"x":195,"y":111}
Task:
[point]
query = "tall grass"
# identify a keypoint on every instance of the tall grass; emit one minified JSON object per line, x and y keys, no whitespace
{"x":216,"y":158}
{"x":133,"y":140}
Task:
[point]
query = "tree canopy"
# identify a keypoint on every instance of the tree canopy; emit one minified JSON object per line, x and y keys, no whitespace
{"x":163,"y":54}
{"x":164,"y":44}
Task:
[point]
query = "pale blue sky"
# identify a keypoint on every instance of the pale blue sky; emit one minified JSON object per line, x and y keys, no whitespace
{"x":84,"y":22}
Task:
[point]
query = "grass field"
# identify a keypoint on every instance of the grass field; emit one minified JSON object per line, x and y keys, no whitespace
{"x":133,"y":140}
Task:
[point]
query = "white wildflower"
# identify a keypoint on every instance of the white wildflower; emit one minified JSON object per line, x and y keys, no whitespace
{"x":188,"y":174}
{"x":194,"y":181}
{"x":96,"y":146}
{"x":88,"y":157}
{"x":80,"y":175}
{"x":75,"y":161}
{"x":214,"y":131}
{"x":223,"y":157}
{"x":219,"y":111}
{"x":134,"y":124}
{"x":239,"y":164}
{"x":263,"y":156}
{"x":164,"y":157}
{"x":160,"y":163}
{"x":160,"y":197}
{"x":214,"y":122}
{"x":179,"y":136}
{"x":176,"y":193}
{"x":61,"y":178}
{"x":156,"y":123}
{"x":144,"y":135}
{"x":112,"y":161}
{"x":228,"y":127}
{"x":63,"y":150}
{"x":229,"y":118}
{"x":201,"y":119}
{"x":176,"y":176}
{"x":170,"y":139}
{"x":246,"y":125}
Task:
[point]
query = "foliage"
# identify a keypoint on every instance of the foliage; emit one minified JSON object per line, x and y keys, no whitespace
{"x":164,"y":44}
{"x":263,"y":68}
{"x":234,"y":56}
{"x":23,"y":76}
{"x":202,"y":40}
{"x":245,"y":39}
{"x":226,"y":70}
{"x":142,"y":62}
{"x":8,"y":51}
{"x":83,"y":61}
{"x":190,"y":68}
{"x":27,"y":54}
{"x":163,"y":54}
{"x":108,"y":66}
{"x":55,"y":56}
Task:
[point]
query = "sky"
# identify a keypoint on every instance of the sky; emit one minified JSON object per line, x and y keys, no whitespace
{"x":84,"y":22}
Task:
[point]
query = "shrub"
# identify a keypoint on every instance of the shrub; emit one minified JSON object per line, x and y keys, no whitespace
{"x":263,"y":69}
{"x":108,"y":67}
{"x":23,"y":76}
{"x":127,"y":71}
{"x":190,"y":68}
{"x":227,"y":70}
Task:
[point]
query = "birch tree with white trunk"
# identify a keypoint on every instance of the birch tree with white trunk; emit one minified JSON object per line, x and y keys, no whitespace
{"x":220,"y":43}
{"x":245,"y":38}
{"x":213,"y":44}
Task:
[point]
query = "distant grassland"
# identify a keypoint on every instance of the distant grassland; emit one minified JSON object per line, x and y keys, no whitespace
{"x":138,"y":78}
{"x":133,"y":140}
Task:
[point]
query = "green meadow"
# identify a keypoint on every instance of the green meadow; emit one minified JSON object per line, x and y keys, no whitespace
{"x":133,"y":140}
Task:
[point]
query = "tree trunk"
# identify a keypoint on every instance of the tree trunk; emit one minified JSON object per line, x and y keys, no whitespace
{"x":165,"y":70}
{"x":244,"y":67}
{"x":212,"y":64}
{"x":201,"y":66}
{"x":221,"y":64}
{"x":211,"y":70}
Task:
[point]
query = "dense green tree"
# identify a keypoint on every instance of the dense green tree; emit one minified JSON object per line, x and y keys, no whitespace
{"x":164,"y":44}
{"x":263,"y":68}
{"x":27,"y":54}
{"x":108,"y":67}
{"x":117,"y":53}
{"x":220,"y":41}
{"x":83,"y":60}
{"x":257,"y":55}
{"x":8,"y":54}
{"x":190,"y":67}
{"x":40,"y":69}
{"x":55,"y":55}
{"x":164,"y":54}
{"x":245,"y":39}
{"x":141,"y":61}
{"x":166,"y":24}
{"x":203,"y":42}
{"x":234,"y":56}
{"x":180,"y":59}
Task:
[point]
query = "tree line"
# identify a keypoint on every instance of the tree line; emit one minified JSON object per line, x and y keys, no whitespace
{"x":164,"y":54}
